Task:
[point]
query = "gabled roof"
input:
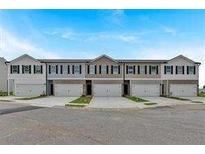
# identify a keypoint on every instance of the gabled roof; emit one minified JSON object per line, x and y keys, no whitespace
{"x":104,"y":56}
{"x":185,"y":58}
{"x":22,"y":57}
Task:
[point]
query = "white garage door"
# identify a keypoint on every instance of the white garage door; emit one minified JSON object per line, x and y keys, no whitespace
{"x":107,"y":89}
{"x":68,"y":89}
{"x":30,"y":89}
{"x":183,"y":89}
{"x":145,"y":90}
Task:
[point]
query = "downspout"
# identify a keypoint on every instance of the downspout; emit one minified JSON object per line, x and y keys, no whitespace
{"x":123,"y":77}
{"x":46,"y":81}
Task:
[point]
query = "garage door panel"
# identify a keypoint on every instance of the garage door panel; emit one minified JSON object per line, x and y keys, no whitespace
{"x":183,"y":89}
{"x":68,"y":89}
{"x":29,"y":90}
{"x":145,"y":89}
{"x":107,"y":89}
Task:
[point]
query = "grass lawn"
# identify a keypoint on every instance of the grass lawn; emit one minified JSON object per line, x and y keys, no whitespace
{"x":3,"y":93}
{"x":150,"y":103}
{"x":201,"y":94}
{"x":30,"y":98}
{"x":80,"y":102}
{"x":136,"y":99}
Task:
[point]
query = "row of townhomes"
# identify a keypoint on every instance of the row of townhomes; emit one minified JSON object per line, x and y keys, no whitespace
{"x":103,"y":76}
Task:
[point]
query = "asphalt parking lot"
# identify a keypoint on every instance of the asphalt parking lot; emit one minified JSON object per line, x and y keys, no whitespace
{"x":184,"y":124}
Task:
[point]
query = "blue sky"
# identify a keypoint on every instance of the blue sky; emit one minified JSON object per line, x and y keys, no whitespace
{"x":140,"y":34}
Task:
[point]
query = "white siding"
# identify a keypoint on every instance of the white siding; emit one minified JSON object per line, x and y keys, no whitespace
{"x":3,"y":75}
{"x":28,"y":79}
{"x":185,"y":76}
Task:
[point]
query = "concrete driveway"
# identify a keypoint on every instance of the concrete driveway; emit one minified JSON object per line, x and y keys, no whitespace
{"x":196,"y":99}
{"x":111,"y":102}
{"x":49,"y":101}
{"x":162,"y":101}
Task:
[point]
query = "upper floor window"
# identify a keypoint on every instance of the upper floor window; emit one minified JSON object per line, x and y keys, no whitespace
{"x":53,"y":69}
{"x":179,"y":69}
{"x":191,"y":70}
{"x":153,"y":70}
{"x":76,"y":69}
{"x":115,"y":69}
{"x":104,"y":69}
{"x":168,"y":69}
{"x":141,"y":69}
{"x":38,"y":69}
{"x":130,"y":69}
{"x":14,"y":69}
{"x":26,"y":69}
{"x":92,"y":69}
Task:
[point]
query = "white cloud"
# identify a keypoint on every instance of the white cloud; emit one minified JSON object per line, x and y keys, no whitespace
{"x":65,"y":33}
{"x":12,"y":47}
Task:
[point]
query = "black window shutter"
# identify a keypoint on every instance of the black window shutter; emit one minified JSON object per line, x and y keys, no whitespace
{"x":150,"y":70}
{"x":107,"y":69}
{"x":11,"y":69}
{"x":171,"y":69}
{"x":134,"y":69}
{"x":165,"y":69}
{"x":95,"y":69}
{"x":29,"y":69}
{"x":157,"y":70}
{"x":18,"y":69}
{"x":99,"y":69}
{"x":187,"y":70}
{"x":182,"y":69}
{"x":49,"y":69}
{"x":72,"y":69}
{"x":22,"y":67}
{"x":88,"y":69}
{"x":41,"y":69}
{"x":138,"y":69}
{"x":194,"y":69}
{"x":118,"y":69}
{"x":126,"y":69}
{"x":145,"y":69}
{"x":176,"y":69}
{"x":68,"y":69}
{"x":34,"y":69}
{"x":56,"y":69}
{"x":61,"y":69}
{"x":80,"y":69}
{"x":111,"y":69}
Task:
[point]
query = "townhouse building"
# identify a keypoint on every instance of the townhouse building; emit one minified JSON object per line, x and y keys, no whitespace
{"x":103,"y":76}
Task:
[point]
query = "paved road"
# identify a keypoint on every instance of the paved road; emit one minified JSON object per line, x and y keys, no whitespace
{"x":164,"y":125}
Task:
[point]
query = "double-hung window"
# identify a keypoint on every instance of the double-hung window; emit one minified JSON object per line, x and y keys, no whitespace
{"x":14,"y":69}
{"x":26,"y":69}
{"x":92,"y":69}
{"x":77,"y":69}
{"x":104,"y":69}
{"x":191,"y":70}
{"x":154,"y":70}
{"x":179,"y":69}
{"x":168,"y":69}
{"x":115,"y":69}
{"x":130,"y":69}
{"x":38,"y":69}
{"x":142,"y":69}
